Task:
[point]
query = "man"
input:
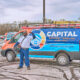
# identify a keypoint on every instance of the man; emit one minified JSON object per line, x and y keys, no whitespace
{"x":24,"y":45}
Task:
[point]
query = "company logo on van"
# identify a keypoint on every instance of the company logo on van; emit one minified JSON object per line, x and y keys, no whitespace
{"x":39,"y":41}
{"x":63,"y":33}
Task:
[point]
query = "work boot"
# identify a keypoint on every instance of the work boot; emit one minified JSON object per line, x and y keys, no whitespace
{"x":28,"y":68}
{"x":19,"y":67}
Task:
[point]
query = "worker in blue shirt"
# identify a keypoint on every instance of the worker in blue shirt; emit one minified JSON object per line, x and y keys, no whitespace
{"x":24,"y":45}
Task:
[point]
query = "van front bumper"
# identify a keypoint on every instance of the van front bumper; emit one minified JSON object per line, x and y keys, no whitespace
{"x":3,"y":53}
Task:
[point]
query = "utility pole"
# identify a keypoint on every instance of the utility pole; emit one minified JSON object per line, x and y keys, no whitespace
{"x":43,"y":11}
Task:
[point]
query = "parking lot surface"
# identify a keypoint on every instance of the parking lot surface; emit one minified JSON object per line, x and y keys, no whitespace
{"x":41,"y":69}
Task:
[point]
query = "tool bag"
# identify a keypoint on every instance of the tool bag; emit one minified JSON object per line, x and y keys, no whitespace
{"x":17,"y":48}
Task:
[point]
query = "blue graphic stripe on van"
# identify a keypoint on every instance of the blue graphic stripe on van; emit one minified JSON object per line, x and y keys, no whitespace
{"x":38,"y":56}
{"x":59,"y":46}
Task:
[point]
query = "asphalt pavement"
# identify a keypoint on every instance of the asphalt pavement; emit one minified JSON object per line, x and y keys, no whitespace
{"x":41,"y":69}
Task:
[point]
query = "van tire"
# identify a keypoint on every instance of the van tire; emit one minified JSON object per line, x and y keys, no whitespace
{"x":62,"y":56}
{"x":10,"y":56}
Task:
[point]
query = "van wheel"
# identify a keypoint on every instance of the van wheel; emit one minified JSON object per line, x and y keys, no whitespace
{"x":62,"y":59}
{"x":10,"y":56}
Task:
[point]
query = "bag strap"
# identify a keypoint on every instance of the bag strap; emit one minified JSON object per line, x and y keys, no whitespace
{"x":23,"y":40}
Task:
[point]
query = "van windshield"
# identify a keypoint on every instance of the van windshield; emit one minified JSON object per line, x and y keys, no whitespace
{"x":18,"y":36}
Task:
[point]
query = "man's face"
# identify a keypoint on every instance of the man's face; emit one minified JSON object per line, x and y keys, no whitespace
{"x":25,"y":33}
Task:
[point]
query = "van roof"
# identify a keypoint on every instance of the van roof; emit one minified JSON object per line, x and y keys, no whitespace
{"x":52,"y":26}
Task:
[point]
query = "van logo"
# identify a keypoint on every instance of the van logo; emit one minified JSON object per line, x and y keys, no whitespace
{"x":39,"y":41}
{"x":62,"y":34}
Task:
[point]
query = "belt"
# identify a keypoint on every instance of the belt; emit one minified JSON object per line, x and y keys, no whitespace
{"x":25,"y":48}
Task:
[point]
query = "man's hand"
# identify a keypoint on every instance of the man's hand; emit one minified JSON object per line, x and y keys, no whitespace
{"x":14,"y":47}
{"x":19,"y":45}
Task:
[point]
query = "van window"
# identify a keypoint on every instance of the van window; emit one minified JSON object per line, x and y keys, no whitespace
{"x":17,"y":36}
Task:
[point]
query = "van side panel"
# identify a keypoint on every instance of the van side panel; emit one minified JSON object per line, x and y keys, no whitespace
{"x":54,"y":47}
{"x":54,"y":40}
{"x":50,"y":50}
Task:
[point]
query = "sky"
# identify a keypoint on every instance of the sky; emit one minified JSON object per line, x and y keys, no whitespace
{"x":32,"y":10}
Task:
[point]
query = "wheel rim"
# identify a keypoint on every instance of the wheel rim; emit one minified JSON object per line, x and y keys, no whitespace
{"x":62,"y":60}
{"x":9,"y":56}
